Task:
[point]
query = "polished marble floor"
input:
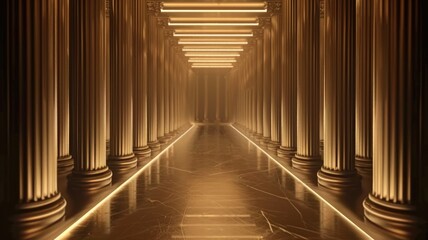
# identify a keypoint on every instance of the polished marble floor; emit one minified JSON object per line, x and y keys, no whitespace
{"x":214,"y":184}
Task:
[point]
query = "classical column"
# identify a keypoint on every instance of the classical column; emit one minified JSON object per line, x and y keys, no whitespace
{"x":153,"y":9}
{"x":167,"y":69}
{"x":253,"y":71}
{"x":217,"y":100}
{"x":322,"y":75}
{"x":363,"y":86}
{"x":121,"y":143}
{"x":266,"y":80}
{"x":162,"y":22}
{"x":338,"y":171}
{"x":308,"y":153}
{"x":400,"y":114}
{"x":139,"y":68}
{"x":65,"y":161}
{"x":259,"y":79}
{"x":205,"y":97}
{"x":275,"y":8}
{"x":28,"y":105}
{"x":107,"y":67}
{"x":289,"y":80}
{"x":88,"y":95}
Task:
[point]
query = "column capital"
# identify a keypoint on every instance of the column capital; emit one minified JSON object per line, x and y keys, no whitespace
{"x":108,"y":8}
{"x":265,"y":21}
{"x":258,"y":33}
{"x":274,"y":7}
{"x":322,"y":9}
{"x":153,"y":7}
{"x":163,"y":21}
{"x":169,"y":33}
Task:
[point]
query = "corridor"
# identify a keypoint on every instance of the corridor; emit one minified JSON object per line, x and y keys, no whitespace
{"x":214,"y":184}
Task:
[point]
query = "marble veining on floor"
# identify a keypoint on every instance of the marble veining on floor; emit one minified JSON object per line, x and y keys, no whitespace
{"x":214,"y":184}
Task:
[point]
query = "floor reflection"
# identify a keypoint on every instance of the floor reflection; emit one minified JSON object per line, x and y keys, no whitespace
{"x":213,"y":185}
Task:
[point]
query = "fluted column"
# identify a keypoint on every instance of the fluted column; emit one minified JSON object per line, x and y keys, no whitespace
{"x":259,"y":82}
{"x":206,"y":98}
{"x":167,"y":68}
{"x":289,"y":80}
{"x":217,"y":100}
{"x":162,"y":22}
{"x":153,"y":9}
{"x":253,"y":71}
{"x":308,"y":155}
{"x":363,"y":86}
{"x":139,"y":65}
{"x":107,"y":66}
{"x":28,"y":104}
{"x":88,"y":95}
{"x":400,"y":114}
{"x":322,"y":75}
{"x":65,"y":161}
{"x":275,"y":76}
{"x":266,"y":80}
{"x":121,"y":143}
{"x":338,"y":171}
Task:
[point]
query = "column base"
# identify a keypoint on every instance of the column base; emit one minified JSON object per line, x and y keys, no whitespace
{"x":305,"y":163}
{"x":363,"y":165}
{"x":154,"y":146}
{"x":163,"y":140}
{"x":286,"y":152}
{"x":90,"y":180}
{"x":399,"y":219}
{"x":65,"y":164}
{"x":258,"y":136}
{"x":121,"y":163}
{"x":28,"y":219}
{"x":273,"y":145}
{"x":338,"y":180}
{"x":264,"y":142}
{"x":142,"y":152}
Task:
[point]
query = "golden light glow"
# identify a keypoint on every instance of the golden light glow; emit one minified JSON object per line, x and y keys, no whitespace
{"x":212,"y":54}
{"x":212,"y":49}
{"x":211,"y":58}
{"x":218,"y":31}
{"x":208,"y":43}
{"x":213,"y":7}
{"x":213,"y":34}
{"x":212,"y":66}
{"x":212,"y":61}
{"x":212,"y":24}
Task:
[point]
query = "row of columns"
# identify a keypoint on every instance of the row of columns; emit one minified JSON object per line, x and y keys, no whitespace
{"x":371,"y":86}
{"x":61,"y":59}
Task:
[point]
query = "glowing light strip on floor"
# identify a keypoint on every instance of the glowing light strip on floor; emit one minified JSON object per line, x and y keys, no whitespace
{"x":118,"y":189}
{"x":306,"y":186}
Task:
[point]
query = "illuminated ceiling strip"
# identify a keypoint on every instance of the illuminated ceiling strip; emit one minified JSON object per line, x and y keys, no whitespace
{"x":213,"y":49}
{"x":212,"y":66}
{"x":212,"y":61}
{"x":213,"y":35}
{"x":220,"y":43}
{"x":211,"y":58}
{"x":212,"y":54}
{"x":68,"y":231}
{"x":217,"y":31}
{"x":214,"y":10}
{"x":306,"y":186}
{"x":212,"y":24}
{"x":261,"y":4}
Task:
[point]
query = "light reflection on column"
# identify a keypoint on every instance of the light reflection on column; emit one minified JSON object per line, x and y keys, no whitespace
{"x":259,"y":158}
{"x":328,"y":220}
{"x":157,"y":172}
{"x":102,"y":218}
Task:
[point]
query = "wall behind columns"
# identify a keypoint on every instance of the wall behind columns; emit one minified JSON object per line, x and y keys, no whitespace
{"x":201,"y":92}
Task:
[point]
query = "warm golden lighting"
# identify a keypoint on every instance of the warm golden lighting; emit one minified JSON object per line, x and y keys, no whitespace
{"x":211,"y":61}
{"x":220,"y":43}
{"x":212,"y":64}
{"x":213,"y":34}
{"x":212,"y":24}
{"x":213,"y":7}
{"x":217,"y":31}
{"x":212,"y":55}
{"x":193,"y":66}
{"x":213,"y":49}
{"x":205,"y":21}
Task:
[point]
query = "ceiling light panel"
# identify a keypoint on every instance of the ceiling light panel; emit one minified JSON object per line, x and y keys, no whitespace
{"x":210,"y":54}
{"x":214,"y":7}
{"x":212,"y":49}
